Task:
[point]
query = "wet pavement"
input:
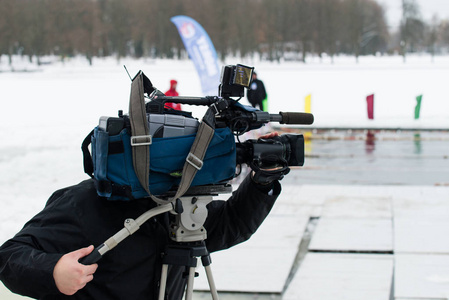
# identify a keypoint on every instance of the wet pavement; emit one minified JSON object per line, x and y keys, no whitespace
{"x":379,"y":158}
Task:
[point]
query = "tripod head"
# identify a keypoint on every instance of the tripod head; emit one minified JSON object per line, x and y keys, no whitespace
{"x":190,"y":212}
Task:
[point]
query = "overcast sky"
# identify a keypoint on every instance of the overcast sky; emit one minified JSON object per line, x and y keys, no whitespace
{"x":428,"y":9}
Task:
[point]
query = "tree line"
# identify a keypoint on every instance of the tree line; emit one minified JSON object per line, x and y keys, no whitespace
{"x":273,"y":29}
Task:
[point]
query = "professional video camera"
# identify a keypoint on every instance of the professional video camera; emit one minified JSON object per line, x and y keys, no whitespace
{"x":263,"y":154}
{"x":268,"y":157}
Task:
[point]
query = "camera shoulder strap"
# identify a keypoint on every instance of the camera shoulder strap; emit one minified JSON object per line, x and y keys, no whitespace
{"x":140,"y":138}
{"x":141,"y":141}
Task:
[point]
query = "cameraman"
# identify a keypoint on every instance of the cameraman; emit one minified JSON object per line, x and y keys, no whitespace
{"x":41,"y":261}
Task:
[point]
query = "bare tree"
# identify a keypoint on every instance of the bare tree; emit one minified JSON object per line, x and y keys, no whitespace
{"x":139,"y":28}
{"x":412,"y":27}
{"x":9,"y":27}
{"x":443,"y":32}
{"x":328,"y":26}
{"x":432,"y":36}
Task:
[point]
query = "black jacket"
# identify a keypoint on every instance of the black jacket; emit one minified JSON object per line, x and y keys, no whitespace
{"x":256,"y":93}
{"x":76,"y":217}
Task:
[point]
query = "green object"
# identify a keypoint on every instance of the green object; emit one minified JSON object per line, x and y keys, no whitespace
{"x":418,"y":106}
{"x":176,"y":174}
{"x":265,"y":104}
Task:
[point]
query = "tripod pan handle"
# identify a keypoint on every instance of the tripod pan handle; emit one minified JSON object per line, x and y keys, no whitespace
{"x":93,"y":257}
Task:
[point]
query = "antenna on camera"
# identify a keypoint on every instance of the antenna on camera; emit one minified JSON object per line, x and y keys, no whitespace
{"x":124,"y":66}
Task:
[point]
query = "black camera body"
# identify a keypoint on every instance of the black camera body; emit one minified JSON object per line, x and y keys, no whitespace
{"x":280,"y":151}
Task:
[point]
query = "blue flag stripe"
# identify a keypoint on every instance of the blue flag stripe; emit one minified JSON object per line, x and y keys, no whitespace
{"x":201,"y":51}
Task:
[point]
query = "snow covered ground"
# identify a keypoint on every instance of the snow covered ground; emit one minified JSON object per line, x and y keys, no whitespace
{"x":47,"y":113}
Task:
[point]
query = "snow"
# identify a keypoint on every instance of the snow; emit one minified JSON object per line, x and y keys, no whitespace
{"x":327,"y":276}
{"x":354,"y":224}
{"x":266,"y":258}
{"x":353,"y":235}
{"x":422,"y":224}
{"x":422,"y":276}
{"x":47,"y":113}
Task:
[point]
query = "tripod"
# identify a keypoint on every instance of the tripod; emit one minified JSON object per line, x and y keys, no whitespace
{"x":186,"y":230}
{"x":187,"y":255}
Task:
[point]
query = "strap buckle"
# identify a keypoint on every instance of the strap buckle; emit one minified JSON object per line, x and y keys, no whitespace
{"x":194,"y":161}
{"x":219,"y":106}
{"x":141,"y":140}
{"x":215,"y":109}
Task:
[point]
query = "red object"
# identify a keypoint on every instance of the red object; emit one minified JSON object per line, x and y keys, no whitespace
{"x":370,"y":105}
{"x":172,"y":93}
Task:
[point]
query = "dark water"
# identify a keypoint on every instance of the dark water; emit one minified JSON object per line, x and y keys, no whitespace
{"x":375,"y":158}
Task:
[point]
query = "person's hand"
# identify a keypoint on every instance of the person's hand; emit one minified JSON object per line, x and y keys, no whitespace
{"x":267,"y":176}
{"x":70,"y":275}
{"x":269,"y":135}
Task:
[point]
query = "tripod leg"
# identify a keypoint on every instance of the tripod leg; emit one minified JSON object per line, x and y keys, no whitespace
{"x":189,"y":291}
{"x":210,"y":279}
{"x":163,"y":282}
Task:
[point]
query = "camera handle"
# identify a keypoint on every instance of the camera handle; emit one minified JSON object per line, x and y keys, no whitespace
{"x":131,"y":226}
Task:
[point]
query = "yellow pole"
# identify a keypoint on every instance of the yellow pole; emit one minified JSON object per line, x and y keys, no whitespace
{"x":308,"y":134}
{"x":308,"y":104}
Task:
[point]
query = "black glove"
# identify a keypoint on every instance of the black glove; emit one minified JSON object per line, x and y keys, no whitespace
{"x":265,"y":177}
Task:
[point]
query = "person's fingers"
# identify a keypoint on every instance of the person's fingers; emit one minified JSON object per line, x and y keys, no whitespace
{"x":70,"y":275}
{"x":90,"y":269}
{"x":81,"y":286}
{"x":82,"y":252}
{"x":89,"y":278}
{"x":270,"y":135}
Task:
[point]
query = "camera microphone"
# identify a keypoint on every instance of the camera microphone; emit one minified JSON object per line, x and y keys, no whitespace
{"x":297,"y":118}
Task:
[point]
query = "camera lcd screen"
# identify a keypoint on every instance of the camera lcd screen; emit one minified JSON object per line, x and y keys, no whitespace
{"x":243,"y":75}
